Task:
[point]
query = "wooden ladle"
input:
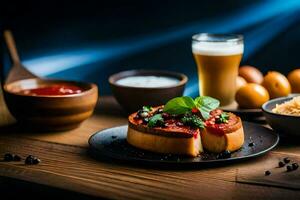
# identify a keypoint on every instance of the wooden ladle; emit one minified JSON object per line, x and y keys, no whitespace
{"x":17,"y":71}
{"x":44,"y":112}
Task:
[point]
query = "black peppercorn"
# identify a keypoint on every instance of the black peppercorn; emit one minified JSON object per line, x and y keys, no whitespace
{"x":224,"y":154}
{"x":267,"y":173}
{"x":289,"y":168}
{"x":251,"y":144}
{"x":32,"y":160}
{"x":286,"y":160}
{"x":17,"y":158}
{"x":8,"y":157}
{"x":295,"y":166}
{"x":36,"y":161}
{"x":281,"y":164}
{"x":29,"y":160}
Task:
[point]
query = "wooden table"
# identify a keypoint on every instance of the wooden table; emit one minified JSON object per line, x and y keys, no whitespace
{"x":66,"y":165}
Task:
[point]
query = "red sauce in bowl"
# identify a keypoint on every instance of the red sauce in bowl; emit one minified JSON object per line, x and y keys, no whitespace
{"x":57,"y":89}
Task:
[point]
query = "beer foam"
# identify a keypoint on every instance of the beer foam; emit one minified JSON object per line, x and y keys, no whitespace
{"x":217,"y":48}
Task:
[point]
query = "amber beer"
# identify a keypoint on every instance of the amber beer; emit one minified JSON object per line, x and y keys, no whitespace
{"x":218,"y":58}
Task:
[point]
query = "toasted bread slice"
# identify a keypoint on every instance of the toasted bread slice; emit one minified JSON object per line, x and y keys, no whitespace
{"x":171,"y":139}
{"x":175,"y":138}
{"x":220,"y":137}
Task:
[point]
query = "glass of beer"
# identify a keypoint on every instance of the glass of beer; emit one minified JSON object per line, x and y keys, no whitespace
{"x":218,"y":57}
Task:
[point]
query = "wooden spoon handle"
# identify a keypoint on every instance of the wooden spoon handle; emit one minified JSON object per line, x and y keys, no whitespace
{"x":11,"y":45}
{"x":18,"y":71}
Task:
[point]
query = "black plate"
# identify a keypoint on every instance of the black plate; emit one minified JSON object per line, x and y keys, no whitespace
{"x":112,"y":143}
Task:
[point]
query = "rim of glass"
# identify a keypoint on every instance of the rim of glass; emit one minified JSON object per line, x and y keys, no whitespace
{"x":211,"y":37}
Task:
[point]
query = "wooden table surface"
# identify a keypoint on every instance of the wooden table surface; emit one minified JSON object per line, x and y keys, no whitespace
{"x":67,"y":165}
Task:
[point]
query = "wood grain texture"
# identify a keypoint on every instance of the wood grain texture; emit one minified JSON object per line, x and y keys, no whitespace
{"x":70,"y":168}
{"x":107,"y":114}
{"x":67,"y":165}
{"x":279,"y":177}
{"x":5,"y":117}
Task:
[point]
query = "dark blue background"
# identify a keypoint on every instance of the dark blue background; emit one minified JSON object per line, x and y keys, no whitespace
{"x":90,"y":40}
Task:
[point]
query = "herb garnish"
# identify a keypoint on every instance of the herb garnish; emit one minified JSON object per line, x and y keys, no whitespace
{"x":156,"y":120}
{"x":193,"y":121}
{"x":147,"y":108}
{"x":223,"y":118}
{"x":206,"y":104}
{"x":185,"y":104}
{"x":179,"y":105}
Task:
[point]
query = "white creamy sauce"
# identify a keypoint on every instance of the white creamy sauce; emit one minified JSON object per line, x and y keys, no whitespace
{"x":148,"y":81}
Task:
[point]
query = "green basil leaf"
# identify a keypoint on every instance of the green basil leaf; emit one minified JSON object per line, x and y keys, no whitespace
{"x":179,"y":105}
{"x":147,"y":108}
{"x":155,"y":120}
{"x":206,"y":104}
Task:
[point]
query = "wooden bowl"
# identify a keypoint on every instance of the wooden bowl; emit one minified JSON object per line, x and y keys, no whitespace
{"x":48,"y":112}
{"x":133,"y":98}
